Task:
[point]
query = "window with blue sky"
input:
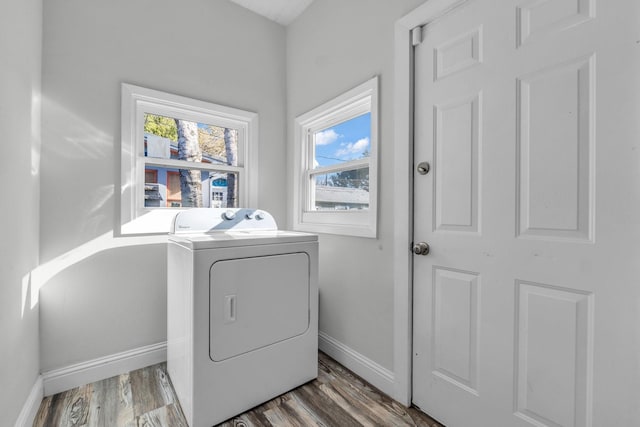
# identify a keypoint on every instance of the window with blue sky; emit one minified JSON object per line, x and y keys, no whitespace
{"x":344,"y":142}
{"x":335,"y":190}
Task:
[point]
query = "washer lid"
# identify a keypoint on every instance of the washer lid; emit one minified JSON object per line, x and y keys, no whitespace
{"x":233,"y":238}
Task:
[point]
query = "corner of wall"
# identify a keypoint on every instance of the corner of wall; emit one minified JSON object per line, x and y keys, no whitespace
{"x":30,"y":408}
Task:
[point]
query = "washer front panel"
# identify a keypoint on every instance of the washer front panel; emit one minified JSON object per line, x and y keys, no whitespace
{"x":256,"y":302}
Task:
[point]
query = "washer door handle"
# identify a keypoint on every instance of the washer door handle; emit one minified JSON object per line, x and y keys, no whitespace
{"x":229,"y":308}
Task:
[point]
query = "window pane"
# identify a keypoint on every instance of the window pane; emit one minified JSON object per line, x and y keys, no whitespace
{"x":201,"y":142}
{"x":150,"y":176}
{"x":349,"y":140}
{"x":174,"y":188}
{"x":343,"y":190}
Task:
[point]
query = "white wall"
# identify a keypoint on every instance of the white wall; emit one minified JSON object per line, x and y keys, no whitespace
{"x":20,"y":56}
{"x":102,"y":295}
{"x":334,"y":46}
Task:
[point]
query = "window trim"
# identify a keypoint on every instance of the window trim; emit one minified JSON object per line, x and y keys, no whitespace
{"x":135,"y":102}
{"x":353,"y":103}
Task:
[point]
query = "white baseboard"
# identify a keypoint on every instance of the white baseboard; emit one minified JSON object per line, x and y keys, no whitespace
{"x":62,"y":379}
{"x":58,"y":380}
{"x":377,"y":375}
{"x":30,"y":408}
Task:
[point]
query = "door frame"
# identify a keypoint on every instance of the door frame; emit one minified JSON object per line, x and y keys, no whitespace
{"x":428,"y":12}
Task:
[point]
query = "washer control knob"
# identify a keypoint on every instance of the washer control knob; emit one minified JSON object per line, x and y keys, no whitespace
{"x":259,"y":216}
{"x":229,"y":215}
{"x":249,"y":215}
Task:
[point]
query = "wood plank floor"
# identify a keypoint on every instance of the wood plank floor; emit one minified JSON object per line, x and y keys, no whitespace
{"x":145,"y":398}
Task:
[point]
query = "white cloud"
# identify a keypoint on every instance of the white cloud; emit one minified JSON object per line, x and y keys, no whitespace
{"x":326,"y":137}
{"x":357,"y":147}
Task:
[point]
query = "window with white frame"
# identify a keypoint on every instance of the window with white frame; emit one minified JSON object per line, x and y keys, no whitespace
{"x":178,"y":153}
{"x":336,"y":152}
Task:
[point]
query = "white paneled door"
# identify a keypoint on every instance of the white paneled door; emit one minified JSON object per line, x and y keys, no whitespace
{"x":527,"y":307}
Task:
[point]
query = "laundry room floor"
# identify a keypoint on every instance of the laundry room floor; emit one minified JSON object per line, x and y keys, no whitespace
{"x":145,"y":398}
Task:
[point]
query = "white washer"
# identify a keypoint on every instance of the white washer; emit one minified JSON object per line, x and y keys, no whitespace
{"x":242,"y":303}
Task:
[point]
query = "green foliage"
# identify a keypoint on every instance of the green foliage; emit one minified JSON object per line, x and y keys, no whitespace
{"x":161,"y":126}
{"x":211,"y":140}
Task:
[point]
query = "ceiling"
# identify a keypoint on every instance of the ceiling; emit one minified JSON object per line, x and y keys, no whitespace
{"x":281,"y":11}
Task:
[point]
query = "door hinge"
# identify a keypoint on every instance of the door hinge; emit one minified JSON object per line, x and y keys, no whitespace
{"x":416,"y":36}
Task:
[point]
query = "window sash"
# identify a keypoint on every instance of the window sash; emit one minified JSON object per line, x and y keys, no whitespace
{"x":184,"y":164}
{"x":354,"y":110}
{"x":340,"y":167}
{"x":143,"y":108}
{"x":181,"y":164}
{"x":310,"y":196}
{"x":338,"y":115}
{"x":175,"y":111}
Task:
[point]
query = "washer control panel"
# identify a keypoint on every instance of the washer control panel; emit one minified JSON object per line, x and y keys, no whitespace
{"x":210,"y":220}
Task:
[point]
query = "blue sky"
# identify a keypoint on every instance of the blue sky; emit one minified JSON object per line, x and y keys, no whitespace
{"x":344,"y":142}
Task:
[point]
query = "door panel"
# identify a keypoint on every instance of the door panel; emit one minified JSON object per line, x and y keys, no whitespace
{"x":553,"y":387}
{"x":555,"y":144}
{"x":526,"y":309}
{"x":456,"y":146}
{"x":537,"y":19}
{"x":455,"y":338}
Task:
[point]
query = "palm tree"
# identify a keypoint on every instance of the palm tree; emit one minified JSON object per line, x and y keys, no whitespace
{"x":189,"y":149}
{"x":231,"y":149}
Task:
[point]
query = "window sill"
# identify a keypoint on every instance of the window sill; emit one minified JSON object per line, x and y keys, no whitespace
{"x":152,"y":221}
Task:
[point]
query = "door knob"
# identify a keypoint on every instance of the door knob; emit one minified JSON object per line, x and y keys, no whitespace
{"x":421,"y":248}
{"x":423,"y":168}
